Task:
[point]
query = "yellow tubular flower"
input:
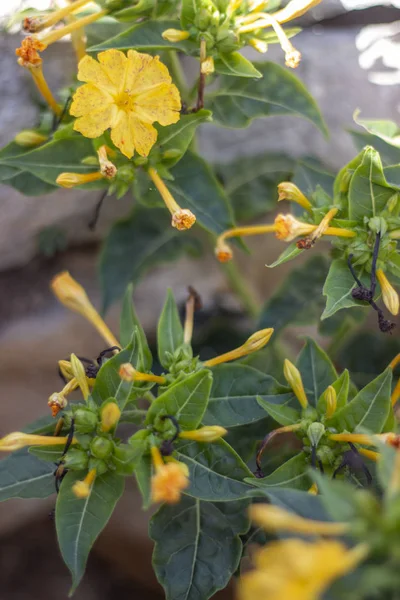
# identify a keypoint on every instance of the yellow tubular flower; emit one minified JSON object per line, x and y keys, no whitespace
{"x":175,"y":35}
{"x":127,"y":94}
{"x":30,"y":138}
{"x":258,"y":340}
{"x":18,"y":440}
{"x":73,"y":296}
{"x":110,"y":415}
{"x":37,"y":23}
{"x":274,"y":518}
{"x":371,"y":454}
{"x":389,"y":295}
{"x":169,"y":479}
{"x":79,"y":373}
{"x":331,"y":401}
{"x":287,"y":228}
{"x":297,"y":570}
{"x":209,"y":433}
{"x":57,"y":34}
{"x":71,"y":180}
{"x":107,"y":168}
{"x":182,"y":218}
{"x":58,"y":401}
{"x":289,"y":191}
{"x":223,"y":252}
{"x":128,"y":373}
{"x":313,"y":490}
{"x":81,"y":489}
{"x":293,"y":377}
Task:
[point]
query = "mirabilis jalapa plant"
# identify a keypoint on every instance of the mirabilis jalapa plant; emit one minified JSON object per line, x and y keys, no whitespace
{"x":207,"y":437}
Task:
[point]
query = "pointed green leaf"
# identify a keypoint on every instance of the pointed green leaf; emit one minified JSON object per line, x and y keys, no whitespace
{"x":338,"y":497}
{"x":80,"y":521}
{"x":145,"y":36}
{"x":240,"y":100}
{"x":216,"y":471}
{"x":186,"y":400}
{"x":234,"y":64}
{"x":25,"y":476}
{"x":128,"y":324}
{"x":199,"y":541}
{"x":369,"y":409}
{"x":135,"y":245}
{"x":47,"y":453}
{"x":292,"y":474}
{"x":337,"y":288}
{"x":288,"y":254}
{"x":298,"y":502}
{"x":233,"y":398}
{"x":169,"y":330}
{"x":384,"y":129}
{"x":174,"y":140}
{"x":188,"y":13}
{"x":143,"y":472}
{"x":298,"y":300}
{"x":389,"y":154}
{"x":309,"y":173}
{"x":316,"y":369}
{"x":281,"y":413}
{"x":369,"y":191}
{"x":29,"y":185}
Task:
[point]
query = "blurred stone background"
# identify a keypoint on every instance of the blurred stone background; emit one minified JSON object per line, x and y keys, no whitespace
{"x":35,"y":331}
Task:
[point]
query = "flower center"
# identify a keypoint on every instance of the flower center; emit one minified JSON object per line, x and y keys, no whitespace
{"x":122,"y":100}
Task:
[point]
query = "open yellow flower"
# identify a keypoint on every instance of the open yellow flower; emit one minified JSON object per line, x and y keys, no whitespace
{"x":169,"y":479}
{"x":298,"y":570}
{"x":127,"y":94}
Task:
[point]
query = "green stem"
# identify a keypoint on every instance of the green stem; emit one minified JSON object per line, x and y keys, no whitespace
{"x":240,"y":286}
{"x":178,"y":75}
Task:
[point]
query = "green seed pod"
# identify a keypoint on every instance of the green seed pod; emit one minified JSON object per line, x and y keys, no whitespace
{"x":315,"y":433}
{"x":76,"y":459}
{"x":101,"y":447}
{"x":85,"y":420}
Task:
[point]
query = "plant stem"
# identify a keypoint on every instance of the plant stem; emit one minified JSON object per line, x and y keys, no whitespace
{"x":240,"y":286}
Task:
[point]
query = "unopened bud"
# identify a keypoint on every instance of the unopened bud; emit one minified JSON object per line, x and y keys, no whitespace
{"x":331,"y":401}
{"x":175,"y":35}
{"x":315,"y":433}
{"x":81,"y":489}
{"x":389,"y":295}
{"x":109,"y":415}
{"x":70,"y":180}
{"x":293,"y":377}
{"x":29,"y":138}
{"x":204,"y":434}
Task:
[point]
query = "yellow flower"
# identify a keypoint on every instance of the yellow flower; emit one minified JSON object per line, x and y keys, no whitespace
{"x":287,"y":227}
{"x":331,"y":401}
{"x":127,"y":372}
{"x":81,"y":489}
{"x":209,"y":433}
{"x":389,"y":295}
{"x":297,"y":570}
{"x":289,"y":191}
{"x":274,"y":518}
{"x":255,"y":342}
{"x":169,"y":479}
{"x":110,"y":416}
{"x":293,"y":377}
{"x":127,"y":94}
{"x":18,"y":440}
{"x":175,"y":35}
{"x":30,"y":138}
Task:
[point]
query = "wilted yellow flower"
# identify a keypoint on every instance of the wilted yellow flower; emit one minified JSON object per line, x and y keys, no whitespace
{"x":81,"y":489}
{"x":389,"y":295}
{"x":58,"y":400}
{"x":297,"y":570}
{"x":209,"y":433}
{"x":127,"y":94}
{"x":182,"y":218}
{"x":289,"y":191}
{"x":127,"y":372}
{"x":169,"y":479}
{"x":71,"y":180}
{"x":18,"y":440}
{"x":287,"y":227}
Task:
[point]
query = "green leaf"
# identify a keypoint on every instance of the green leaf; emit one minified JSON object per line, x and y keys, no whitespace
{"x":47,"y":453}
{"x":188,"y":13}
{"x":195,"y":186}
{"x":369,"y":191}
{"x":146,"y":36}
{"x":240,"y":100}
{"x":233,"y":63}
{"x":24,"y":476}
{"x":281,"y":413}
{"x":310,"y":173}
{"x":390,"y":155}
{"x":169,"y":330}
{"x":186,"y":400}
{"x":233,"y":398}
{"x":316,"y":369}
{"x":143,"y":479}
{"x":48,"y":161}
{"x":199,"y":542}
{"x":300,"y":503}
{"x":174,"y":140}
{"x":369,"y":409}
{"x":288,"y":254}
{"x":129,"y":324}
{"x":136,"y":244}
{"x":80,"y":521}
{"x":338,"y":497}
{"x":292,"y":474}
{"x":298,"y":300}
{"x":337,"y":288}
{"x":109,"y":384}
{"x":341,"y":387}
{"x":216,"y":471}
{"x":386,"y":130}
{"x":29,"y":185}
{"x":251,"y":183}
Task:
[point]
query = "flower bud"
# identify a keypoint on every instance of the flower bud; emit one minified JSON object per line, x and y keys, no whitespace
{"x":293,"y":377}
{"x":204,"y":434}
{"x":101,"y":447}
{"x":175,"y":35}
{"x":81,"y":489}
{"x":389,"y":295}
{"x":315,"y":433}
{"x":255,"y":342}
{"x":85,"y":420}
{"x":76,"y":459}
{"x":18,"y":440}
{"x":79,"y":373}
{"x":70,"y":180}
{"x":29,"y":138}
{"x":110,"y":415}
{"x":331,"y":401}
{"x":289,"y":191}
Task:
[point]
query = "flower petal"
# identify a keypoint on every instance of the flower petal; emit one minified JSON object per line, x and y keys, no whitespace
{"x":115,"y":64}
{"x":145,"y":136}
{"x":121,"y":134}
{"x":130,"y":134}
{"x":95,"y":123}
{"x":162,"y":104}
{"x":89,"y":98}
{"x":145,"y":72}
{"x":91,"y":71}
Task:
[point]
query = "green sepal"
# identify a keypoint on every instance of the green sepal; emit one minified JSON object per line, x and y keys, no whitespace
{"x":169,"y":330}
{"x":292,"y":474}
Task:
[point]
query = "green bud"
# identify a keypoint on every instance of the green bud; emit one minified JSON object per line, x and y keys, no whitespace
{"x":101,"y":447}
{"x":392,"y":202}
{"x":202,"y":19}
{"x":126,"y":173}
{"x":91,"y":161}
{"x":227,"y":41}
{"x":85,"y":420}
{"x":378,"y":225}
{"x":326,"y":455}
{"x":171,"y":154}
{"x":315,"y":433}
{"x":99,"y":465}
{"x":76,"y":459}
